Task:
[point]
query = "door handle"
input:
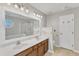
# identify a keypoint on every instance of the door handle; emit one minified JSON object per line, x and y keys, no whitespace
{"x":72,"y":32}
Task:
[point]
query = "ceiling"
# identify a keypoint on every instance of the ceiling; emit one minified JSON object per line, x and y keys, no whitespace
{"x":49,"y":8}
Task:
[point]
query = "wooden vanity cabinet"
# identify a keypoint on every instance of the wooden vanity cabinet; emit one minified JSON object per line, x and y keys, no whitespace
{"x":25,"y":52}
{"x":46,"y":46}
{"x":40,"y":49}
{"x":37,"y":50}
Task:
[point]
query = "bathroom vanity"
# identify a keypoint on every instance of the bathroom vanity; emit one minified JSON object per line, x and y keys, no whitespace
{"x":37,"y":50}
{"x":29,"y":47}
{"x":18,"y":31}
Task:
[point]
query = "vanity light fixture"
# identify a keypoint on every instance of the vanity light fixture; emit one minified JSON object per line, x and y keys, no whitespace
{"x":37,"y":15}
{"x":41,"y":16}
{"x":34,"y":14}
{"x":22,"y":8}
{"x":16,"y":6}
{"x":26,"y":10}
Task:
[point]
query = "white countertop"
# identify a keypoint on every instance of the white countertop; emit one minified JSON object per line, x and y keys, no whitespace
{"x":14,"y":49}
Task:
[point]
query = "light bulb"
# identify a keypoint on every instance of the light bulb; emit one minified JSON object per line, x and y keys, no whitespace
{"x":41,"y":16}
{"x":22,"y":8}
{"x":34,"y":14}
{"x":16,"y":6}
{"x":37,"y":15}
{"x":27,"y":10}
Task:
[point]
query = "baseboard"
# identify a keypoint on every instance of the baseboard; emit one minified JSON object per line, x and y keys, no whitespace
{"x":51,"y":51}
{"x":57,"y":45}
{"x":77,"y":51}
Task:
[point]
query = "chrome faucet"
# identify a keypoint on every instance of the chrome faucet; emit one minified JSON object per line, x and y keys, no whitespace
{"x":37,"y":37}
{"x":18,"y":42}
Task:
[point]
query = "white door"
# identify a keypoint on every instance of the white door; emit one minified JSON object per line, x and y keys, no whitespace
{"x":66,"y":30}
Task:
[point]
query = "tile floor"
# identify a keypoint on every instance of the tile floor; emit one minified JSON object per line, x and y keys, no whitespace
{"x":62,"y":52}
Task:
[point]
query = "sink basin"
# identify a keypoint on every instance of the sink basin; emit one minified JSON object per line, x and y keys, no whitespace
{"x":20,"y":46}
{"x":25,"y":43}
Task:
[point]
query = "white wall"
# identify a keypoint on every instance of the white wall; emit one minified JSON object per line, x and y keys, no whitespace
{"x":2,"y":31}
{"x":54,"y":20}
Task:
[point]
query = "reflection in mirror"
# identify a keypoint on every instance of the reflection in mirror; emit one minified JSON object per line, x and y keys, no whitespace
{"x":19,"y":26}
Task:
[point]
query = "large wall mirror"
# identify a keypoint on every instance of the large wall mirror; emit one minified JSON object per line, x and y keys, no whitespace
{"x":19,"y":26}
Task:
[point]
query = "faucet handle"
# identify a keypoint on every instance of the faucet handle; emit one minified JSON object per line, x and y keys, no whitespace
{"x":18,"y":43}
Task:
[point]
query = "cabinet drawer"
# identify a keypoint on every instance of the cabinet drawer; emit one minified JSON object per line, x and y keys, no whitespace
{"x":35,"y":50}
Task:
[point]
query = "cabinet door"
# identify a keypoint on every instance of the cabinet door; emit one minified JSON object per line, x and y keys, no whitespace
{"x":43,"y":45}
{"x":35,"y":50}
{"x":46,"y":46}
{"x":40,"y":50}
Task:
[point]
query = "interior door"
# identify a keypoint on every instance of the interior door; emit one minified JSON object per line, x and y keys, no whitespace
{"x":66,"y":30}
